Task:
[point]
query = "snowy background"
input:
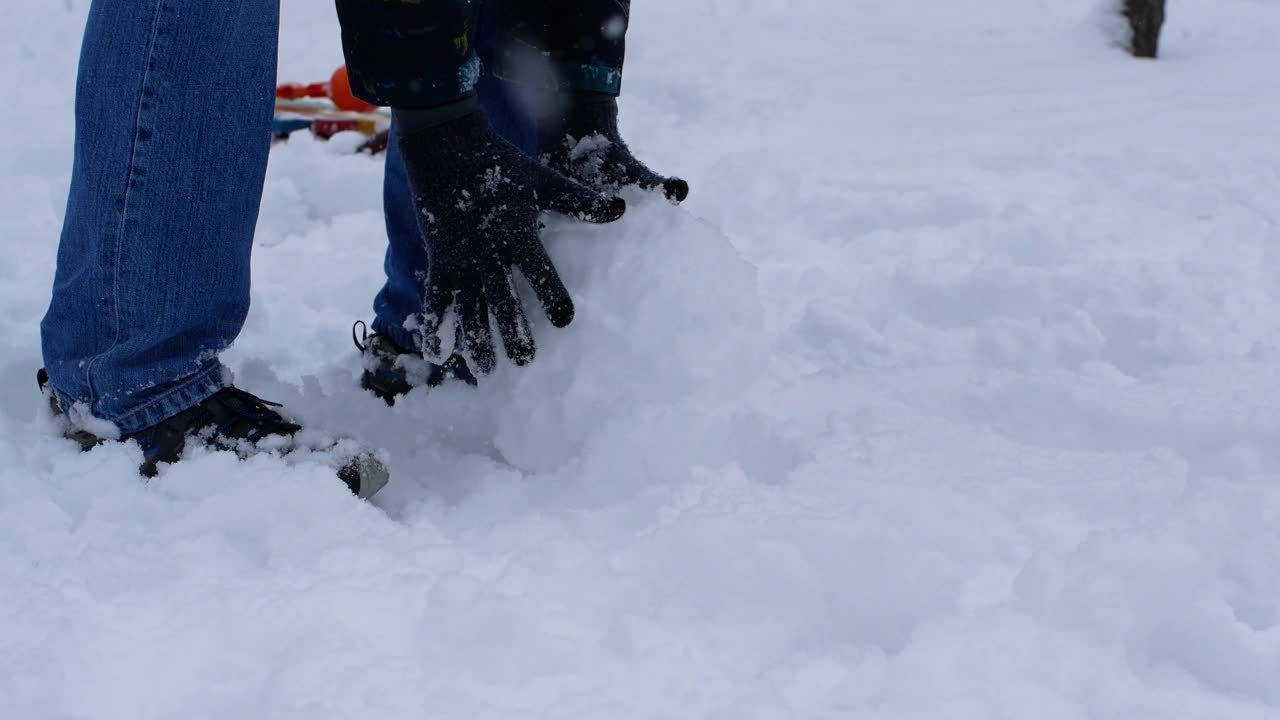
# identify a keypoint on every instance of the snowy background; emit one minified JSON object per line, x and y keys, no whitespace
{"x":952,"y":392}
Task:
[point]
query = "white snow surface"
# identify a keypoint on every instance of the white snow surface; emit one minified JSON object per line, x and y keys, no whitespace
{"x":953,"y":391}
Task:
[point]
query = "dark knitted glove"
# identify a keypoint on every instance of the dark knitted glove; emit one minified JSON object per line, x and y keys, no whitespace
{"x":478,"y":199}
{"x":581,"y":140}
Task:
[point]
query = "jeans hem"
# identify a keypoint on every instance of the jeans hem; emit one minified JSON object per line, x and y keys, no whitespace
{"x":185,"y":395}
{"x":397,"y":333}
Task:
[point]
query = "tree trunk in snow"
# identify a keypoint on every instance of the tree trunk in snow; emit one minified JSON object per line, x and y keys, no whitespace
{"x":1145,"y":18}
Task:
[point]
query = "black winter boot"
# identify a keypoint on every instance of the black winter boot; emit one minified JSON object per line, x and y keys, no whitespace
{"x":391,"y":370}
{"x":232,"y":419}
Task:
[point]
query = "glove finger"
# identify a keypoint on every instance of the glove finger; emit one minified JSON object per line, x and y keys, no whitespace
{"x":624,"y":169}
{"x":438,"y":299}
{"x":675,"y":189}
{"x":536,"y":267}
{"x":477,"y":339}
{"x":630,"y":171}
{"x":577,"y":200}
{"x":513,"y":326}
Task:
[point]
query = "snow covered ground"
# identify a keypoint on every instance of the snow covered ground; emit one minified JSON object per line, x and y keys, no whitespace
{"x":953,"y":391}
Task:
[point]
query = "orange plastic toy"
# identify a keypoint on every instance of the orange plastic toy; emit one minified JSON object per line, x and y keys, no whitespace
{"x":340,"y":93}
{"x":337,"y":90}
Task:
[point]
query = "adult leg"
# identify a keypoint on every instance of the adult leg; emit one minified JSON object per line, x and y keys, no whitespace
{"x":173,"y":116}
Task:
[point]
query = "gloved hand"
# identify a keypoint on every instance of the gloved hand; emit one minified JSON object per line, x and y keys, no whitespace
{"x":578,"y":136}
{"x":478,"y":199}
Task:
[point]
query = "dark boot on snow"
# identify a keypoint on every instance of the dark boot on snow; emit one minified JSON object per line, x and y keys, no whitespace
{"x":391,"y":370}
{"x":232,"y":419}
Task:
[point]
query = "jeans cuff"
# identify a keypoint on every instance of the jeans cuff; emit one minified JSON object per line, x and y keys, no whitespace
{"x":186,"y":394}
{"x":395,"y":330}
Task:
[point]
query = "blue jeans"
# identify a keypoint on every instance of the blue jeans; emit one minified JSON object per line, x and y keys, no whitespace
{"x":173,"y":102}
{"x":173,"y":115}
